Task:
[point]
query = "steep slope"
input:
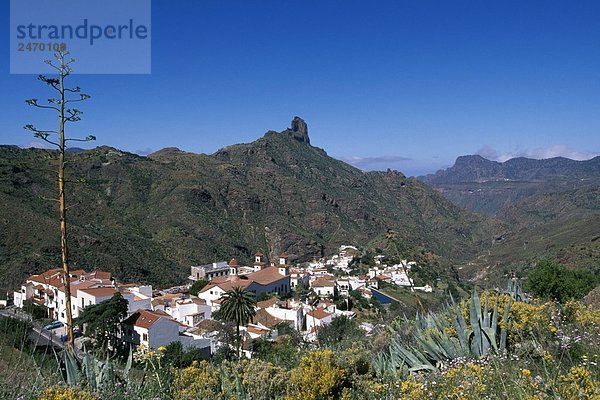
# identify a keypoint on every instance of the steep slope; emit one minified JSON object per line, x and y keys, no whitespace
{"x":149,"y":218}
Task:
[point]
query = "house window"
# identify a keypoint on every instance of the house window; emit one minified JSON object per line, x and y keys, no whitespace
{"x":82,"y":304}
{"x":145,"y":337}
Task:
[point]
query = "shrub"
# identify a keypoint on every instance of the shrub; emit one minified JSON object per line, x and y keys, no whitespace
{"x":198,"y":286}
{"x":552,"y":281}
{"x":342,"y":332}
{"x":36,"y":311}
{"x":317,"y":377}
{"x":68,"y":393}
{"x":198,"y":381}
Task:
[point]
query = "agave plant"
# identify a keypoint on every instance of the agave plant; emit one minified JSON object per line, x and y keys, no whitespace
{"x":435,"y":343}
{"x":514,"y":290}
{"x":93,"y":372}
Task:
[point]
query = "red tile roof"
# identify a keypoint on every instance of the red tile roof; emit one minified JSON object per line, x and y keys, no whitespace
{"x":266,"y":276}
{"x":319,"y":313}
{"x":145,"y":318}
{"x":99,"y":291}
{"x":227,"y":283}
{"x":320,"y":282}
{"x":257,"y":330}
{"x":264,"y":318}
{"x":267,"y":303}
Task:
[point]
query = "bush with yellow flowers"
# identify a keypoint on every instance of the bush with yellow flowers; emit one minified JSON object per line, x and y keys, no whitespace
{"x":317,"y":377}
{"x":66,"y":393}
{"x":524,"y":318}
{"x":201,"y":380}
{"x":585,"y":316}
{"x":578,"y":383}
{"x":262,"y":380}
{"x":462,"y":381}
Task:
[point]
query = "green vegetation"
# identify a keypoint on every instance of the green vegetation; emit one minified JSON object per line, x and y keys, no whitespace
{"x":341,"y":333}
{"x":237,"y":306}
{"x":552,"y":281}
{"x":175,"y":355}
{"x":492,"y":345}
{"x":103,"y":321}
{"x":36,"y":311}
{"x":149,"y":218}
{"x":198,"y":286}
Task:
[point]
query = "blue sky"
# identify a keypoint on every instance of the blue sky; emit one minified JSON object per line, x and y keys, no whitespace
{"x":382,"y":84}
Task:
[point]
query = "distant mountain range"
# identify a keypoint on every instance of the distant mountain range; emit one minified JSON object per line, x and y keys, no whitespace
{"x":551,"y":208}
{"x":150,"y":218}
{"x":492,"y":188}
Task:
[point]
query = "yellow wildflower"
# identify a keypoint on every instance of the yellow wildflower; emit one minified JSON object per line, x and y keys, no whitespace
{"x":69,"y":393}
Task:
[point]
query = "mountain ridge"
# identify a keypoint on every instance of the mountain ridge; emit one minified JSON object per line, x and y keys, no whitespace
{"x":150,"y":218}
{"x":475,"y":168}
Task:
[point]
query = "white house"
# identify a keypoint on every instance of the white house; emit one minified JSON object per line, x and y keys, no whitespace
{"x":288,"y":311}
{"x":48,"y":289}
{"x":299,"y":276}
{"x":190,"y":311}
{"x":317,"y":318}
{"x":272,"y":279}
{"x":323,"y":287}
{"x":343,"y":286}
{"x":153,"y":329}
{"x":139,"y":297}
{"x":209,"y":271}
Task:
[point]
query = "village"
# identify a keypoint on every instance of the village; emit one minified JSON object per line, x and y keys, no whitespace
{"x":303,"y":298}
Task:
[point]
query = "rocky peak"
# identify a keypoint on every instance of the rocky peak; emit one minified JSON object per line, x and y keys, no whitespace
{"x":300,"y":130}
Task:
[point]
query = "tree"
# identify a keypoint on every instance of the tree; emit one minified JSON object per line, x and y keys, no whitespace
{"x":301,"y":291}
{"x":341,"y":333}
{"x":198,"y":286}
{"x":102,"y":321}
{"x":552,"y":281}
{"x":175,"y":355}
{"x":36,"y":311}
{"x":57,"y":138}
{"x":238,"y":307}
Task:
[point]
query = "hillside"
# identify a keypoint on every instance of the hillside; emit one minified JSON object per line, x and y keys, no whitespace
{"x":150,"y":218}
{"x":551,"y":209}
{"x":489,"y":187}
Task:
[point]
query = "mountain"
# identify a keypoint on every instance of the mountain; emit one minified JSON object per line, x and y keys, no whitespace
{"x":150,"y":218}
{"x":489,"y":187}
{"x":551,"y":209}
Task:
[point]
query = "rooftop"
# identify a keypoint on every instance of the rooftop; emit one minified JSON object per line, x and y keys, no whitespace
{"x":319,"y":313}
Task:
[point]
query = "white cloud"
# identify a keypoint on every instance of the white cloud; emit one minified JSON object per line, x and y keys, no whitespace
{"x":360,"y":162}
{"x":144,"y":152}
{"x":556,"y":150}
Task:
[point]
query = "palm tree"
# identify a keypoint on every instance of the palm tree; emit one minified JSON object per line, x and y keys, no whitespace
{"x":238,"y":307}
